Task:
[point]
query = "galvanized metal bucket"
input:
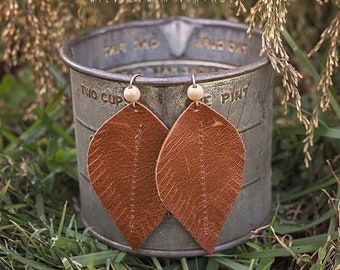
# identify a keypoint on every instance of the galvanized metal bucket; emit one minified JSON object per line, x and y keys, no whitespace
{"x":237,"y":83}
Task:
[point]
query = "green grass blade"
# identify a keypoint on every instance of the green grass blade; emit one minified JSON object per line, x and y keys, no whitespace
{"x":17,"y":257}
{"x":184,"y":263}
{"x":4,"y":190}
{"x":120,"y":257}
{"x":333,"y":133}
{"x":67,"y":265}
{"x":46,"y":119}
{"x":265,"y":263}
{"x":54,"y":103}
{"x":13,"y":139}
{"x":303,"y":245}
{"x":62,"y":221}
{"x":99,"y":258}
{"x":311,"y":70}
{"x":40,"y":206}
{"x":212,"y":264}
{"x":321,"y":239}
{"x":71,"y":245}
{"x":334,"y":102}
{"x":288,"y":229}
{"x":49,"y":122}
{"x":156,"y":263}
{"x":302,"y":57}
{"x":315,"y":187}
{"x":61,"y":80}
{"x":118,"y":266}
{"x":230,"y":264}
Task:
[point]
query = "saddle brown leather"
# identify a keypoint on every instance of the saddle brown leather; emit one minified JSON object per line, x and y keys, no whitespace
{"x":199,"y":172}
{"x":121,"y":165}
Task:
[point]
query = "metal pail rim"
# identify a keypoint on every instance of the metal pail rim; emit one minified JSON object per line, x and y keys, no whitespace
{"x":66,"y":54}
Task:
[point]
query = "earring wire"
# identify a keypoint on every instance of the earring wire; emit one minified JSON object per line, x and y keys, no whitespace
{"x":133,"y":78}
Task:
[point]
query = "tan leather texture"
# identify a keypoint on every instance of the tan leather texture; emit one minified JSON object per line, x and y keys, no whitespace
{"x":121,"y":165}
{"x":199,"y":172}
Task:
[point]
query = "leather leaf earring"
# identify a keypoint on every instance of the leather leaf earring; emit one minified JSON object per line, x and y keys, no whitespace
{"x":121,"y":165}
{"x":199,"y":170}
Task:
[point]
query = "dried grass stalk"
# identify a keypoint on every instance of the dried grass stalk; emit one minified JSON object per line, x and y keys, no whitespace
{"x":33,"y":30}
{"x":271,"y":16}
{"x":32,"y":34}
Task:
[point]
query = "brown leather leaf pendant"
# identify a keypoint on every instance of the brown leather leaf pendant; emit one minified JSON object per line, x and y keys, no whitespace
{"x":121,"y":164}
{"x":199,"y":172}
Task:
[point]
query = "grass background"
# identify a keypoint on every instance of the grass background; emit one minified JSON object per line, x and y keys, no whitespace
{"x":40,"y":227}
